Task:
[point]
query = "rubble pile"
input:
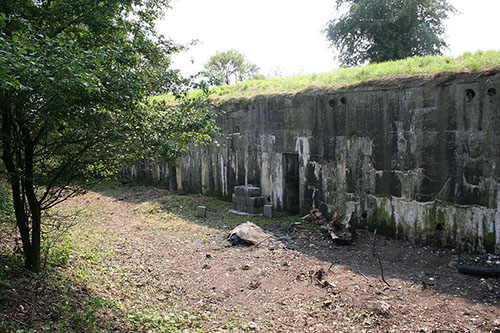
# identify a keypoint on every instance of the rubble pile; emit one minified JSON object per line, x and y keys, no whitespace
{"x":340,"y":228}
{"x":315,"y":217}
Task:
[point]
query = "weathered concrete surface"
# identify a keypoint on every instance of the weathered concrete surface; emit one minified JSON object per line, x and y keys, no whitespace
{"x":418,"y":158}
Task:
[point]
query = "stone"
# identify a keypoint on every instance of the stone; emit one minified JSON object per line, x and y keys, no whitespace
{"x":268,"y":210}
{"x":249,"y":233}
{"x":201,"y":211}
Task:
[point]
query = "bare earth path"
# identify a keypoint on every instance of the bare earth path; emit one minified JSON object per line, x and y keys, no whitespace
{"x":163,"y":269}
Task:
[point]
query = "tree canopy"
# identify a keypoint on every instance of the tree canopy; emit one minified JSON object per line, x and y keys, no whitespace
{"x":75,"y":81}
{"x":382,"y":30}
{"x":229,"y":67}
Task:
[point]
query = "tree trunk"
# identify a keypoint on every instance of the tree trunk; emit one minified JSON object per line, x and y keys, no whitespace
{"x":21,"y":218}
{"x":32,"y":258}
{"x":22,"y":189}
{"x":31,"y":245}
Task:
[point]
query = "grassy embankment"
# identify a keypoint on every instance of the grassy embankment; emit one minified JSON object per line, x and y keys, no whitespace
{"x":344,"y":77}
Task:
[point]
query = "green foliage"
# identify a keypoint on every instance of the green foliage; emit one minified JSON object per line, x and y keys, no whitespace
{"x":75,"y":78}
{"x":381,"y":30}
{"x":229,"y":67}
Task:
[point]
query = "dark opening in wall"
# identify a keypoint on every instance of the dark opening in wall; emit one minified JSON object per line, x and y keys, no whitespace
{"x":469,"y":95}
{"x":331,"y":102}
{"x":291,"y":182}
{"x":439,"y":227}
{"x":491,"y":92}
{"x":343,"y":101}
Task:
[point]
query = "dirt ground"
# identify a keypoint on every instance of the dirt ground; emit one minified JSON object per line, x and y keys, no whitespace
{"x":297,"y":281}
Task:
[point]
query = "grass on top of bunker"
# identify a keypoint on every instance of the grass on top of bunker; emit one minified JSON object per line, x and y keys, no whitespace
{"x":138,"y":259}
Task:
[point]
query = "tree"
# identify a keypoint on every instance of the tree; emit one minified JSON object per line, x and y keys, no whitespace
{"x":229,"y":67}
{"x":382,"y":30}
{"x":75,"y":81}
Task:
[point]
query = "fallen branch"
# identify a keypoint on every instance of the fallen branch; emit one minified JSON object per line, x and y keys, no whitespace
{"x":376,"y":254}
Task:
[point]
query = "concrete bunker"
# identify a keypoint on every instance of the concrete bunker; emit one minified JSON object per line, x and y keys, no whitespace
{"x":416,"y":158}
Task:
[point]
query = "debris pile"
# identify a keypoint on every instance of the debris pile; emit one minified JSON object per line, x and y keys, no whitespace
{"x":340,"y":228}
{"x":315,"y":217}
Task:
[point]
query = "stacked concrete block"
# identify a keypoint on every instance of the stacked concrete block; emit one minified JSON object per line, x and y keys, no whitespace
{"x":248,"y":199}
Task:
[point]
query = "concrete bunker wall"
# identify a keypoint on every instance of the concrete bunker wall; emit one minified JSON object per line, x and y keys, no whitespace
{"x":420,"y":159}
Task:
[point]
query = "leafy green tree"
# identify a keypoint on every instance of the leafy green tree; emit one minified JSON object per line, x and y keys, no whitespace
{"x":75,"y":82}
{"x":382,"y":30}
{"x":229,"y":67}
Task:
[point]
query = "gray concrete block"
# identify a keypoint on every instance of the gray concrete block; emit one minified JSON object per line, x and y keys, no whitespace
{"x":254,"y":210}
{"x":239,"y":190}
{"x":201,"y":211}
{"x":252,"y":191}
{"x":255,"y":201}
{"x":239,"y":199}
{"x":268,"y":210}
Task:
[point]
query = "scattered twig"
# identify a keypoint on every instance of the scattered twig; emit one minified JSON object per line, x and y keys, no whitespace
{"x":329,"y":268}
{"x":364,"y":276}
{"x":20,"y":322}
{"x":376,"y":254}
{"x":263,"y":240}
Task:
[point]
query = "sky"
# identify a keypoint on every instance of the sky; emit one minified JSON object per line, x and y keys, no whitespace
{"x":284,"y":37}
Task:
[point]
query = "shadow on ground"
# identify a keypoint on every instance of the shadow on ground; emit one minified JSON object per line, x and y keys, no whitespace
{"x":427,"y":267}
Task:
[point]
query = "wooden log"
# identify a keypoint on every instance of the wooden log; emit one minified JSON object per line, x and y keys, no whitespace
{"x":479,"y":270}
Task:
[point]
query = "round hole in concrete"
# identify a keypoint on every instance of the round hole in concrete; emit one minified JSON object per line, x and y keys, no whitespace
{"x":343,"y":101}
{"x":364,"y":215}
{"x":469,"y":95}
{"x":331,"y":102}
{"x":439,"y":227}
{"x":491,"y":91}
